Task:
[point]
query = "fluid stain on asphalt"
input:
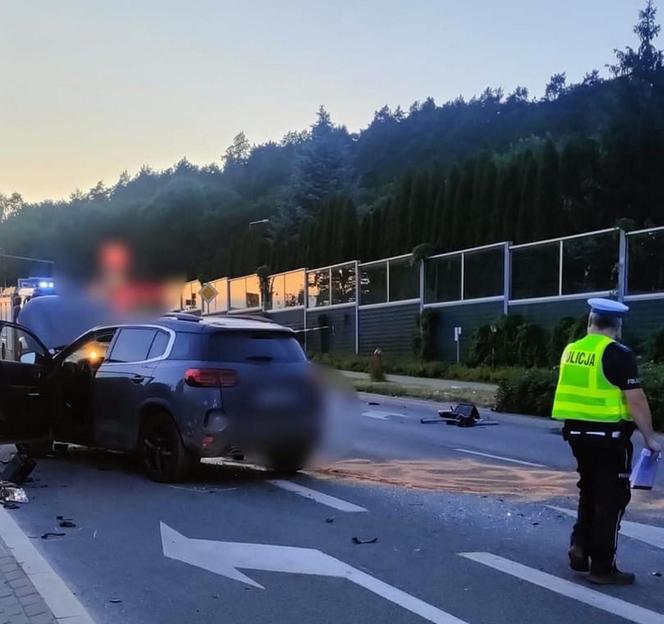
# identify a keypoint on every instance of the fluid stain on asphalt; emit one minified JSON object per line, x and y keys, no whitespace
{"x":461,"y":476}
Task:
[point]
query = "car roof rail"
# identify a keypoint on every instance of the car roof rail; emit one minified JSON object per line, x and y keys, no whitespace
{"x":250,"y":317}
{"x":183,"y":316}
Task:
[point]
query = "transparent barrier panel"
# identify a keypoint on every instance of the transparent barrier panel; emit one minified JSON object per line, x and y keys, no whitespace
{"x":373,"y":283}
{"x":238,"y":294}
{"x":220,"y":302}
{"x":318,"y":286}
{"x":590,"y":264}
{"x":645,"y":263}
{"x":294,"y":289}
{"x":442,"y":279}
{"x":404,"y":280}
{"x":253,"y":299}
{"x":277,"y":293}
{"x":483,"y":273}
{"x":343,"y":284}
{"x":535,"y":271}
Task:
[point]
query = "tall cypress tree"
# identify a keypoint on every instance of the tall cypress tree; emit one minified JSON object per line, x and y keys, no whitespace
{"x":429,"y":226}
{"x":548,"y":221}
{"x":365,"y":243}
{"x":379,"y":234}
{"x":484,"y":226}
{"x":347,"y":218}
{"x":417,"y":210}
{"x":460,"y":222}
{"x":524,"y":225}
{"x":512,"y":194}
{"x":401,"y":207}
{"x":446,"y":231}
{"x":438,"y":213}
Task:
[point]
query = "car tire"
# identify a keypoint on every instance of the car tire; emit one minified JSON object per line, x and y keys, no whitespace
{"x":163,"y":455}
{"x":288,"y":461}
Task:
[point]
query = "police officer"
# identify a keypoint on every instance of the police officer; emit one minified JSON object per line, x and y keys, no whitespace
{"x":599,"y":396}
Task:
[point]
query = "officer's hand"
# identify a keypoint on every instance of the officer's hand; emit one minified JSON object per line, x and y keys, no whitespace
{"x":654,"y":445}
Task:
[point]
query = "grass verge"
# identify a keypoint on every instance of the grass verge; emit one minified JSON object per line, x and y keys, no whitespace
{"x":483,"y":398}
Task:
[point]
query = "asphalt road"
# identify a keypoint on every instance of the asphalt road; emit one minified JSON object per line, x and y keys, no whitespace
{"x":461,"y":536}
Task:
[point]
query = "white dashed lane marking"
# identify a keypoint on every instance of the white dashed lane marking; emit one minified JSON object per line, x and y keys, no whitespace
{"x":319,"y":497}
{"x":615,"y":606}
{"x":647,"y":533}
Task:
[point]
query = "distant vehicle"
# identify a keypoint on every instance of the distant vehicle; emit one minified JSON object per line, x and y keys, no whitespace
{"x":173,"y":391}
{"x":13,"y":298}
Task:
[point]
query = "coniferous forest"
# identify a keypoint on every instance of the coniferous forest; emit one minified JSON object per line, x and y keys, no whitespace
{"x":500,"y":166}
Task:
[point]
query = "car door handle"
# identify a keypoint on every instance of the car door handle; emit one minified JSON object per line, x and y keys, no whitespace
{"x":137,"y":379}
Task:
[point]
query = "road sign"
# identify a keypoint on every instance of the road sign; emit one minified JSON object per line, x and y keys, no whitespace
{"x":208,"y":292}
{"x":225,"y":558}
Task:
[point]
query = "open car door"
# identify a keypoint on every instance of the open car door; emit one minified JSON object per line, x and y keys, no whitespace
{"x":27,"y":408}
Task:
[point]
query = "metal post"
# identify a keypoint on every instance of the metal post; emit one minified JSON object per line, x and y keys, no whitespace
{"x":507,"y":278}
{"x":357,"y":307}
{"x":421,"y":284}
{"x":387,"y":281}
{"x":560,"y":269}
{"x":623,"y":261}
{"x":463,"y":275}
{"x":306,"y":307}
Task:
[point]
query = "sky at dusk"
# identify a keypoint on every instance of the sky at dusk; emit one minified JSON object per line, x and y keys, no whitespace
{"x":90,"y":88}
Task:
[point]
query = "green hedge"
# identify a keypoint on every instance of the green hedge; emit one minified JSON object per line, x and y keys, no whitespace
{"x":531,"y":392}
{"x":417,"y":368}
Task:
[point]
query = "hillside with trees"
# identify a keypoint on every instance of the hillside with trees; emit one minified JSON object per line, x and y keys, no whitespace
{"x":495,"y":167}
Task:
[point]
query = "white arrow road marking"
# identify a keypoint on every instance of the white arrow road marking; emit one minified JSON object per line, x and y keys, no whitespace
{"x":380,"y":415}
{"x":596,"y":599}
{"x":319,"y":497}
{"x":224,"y":558}
{"x":501,"y":458}
{"x":652,"y":535}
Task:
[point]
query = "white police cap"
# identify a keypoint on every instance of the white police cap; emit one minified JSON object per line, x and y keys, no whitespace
{"x":608,"y":307}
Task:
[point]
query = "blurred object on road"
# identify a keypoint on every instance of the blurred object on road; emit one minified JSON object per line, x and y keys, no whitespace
{"x":341,"y":416}
{"x":59,"y":319}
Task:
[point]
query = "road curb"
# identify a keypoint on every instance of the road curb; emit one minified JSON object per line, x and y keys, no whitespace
{"x":64,"y":605}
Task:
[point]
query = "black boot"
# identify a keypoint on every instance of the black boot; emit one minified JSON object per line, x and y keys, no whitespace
{"x":578,"y":560}
{"x":613,"y":577}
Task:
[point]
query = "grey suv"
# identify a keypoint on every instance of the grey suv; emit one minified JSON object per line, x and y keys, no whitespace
{"x":173,"y":391}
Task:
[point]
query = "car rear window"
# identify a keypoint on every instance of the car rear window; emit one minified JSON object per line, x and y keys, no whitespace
{"x":132,"y":345}
{"x":187,"y":346}
{"x":254,"y":346}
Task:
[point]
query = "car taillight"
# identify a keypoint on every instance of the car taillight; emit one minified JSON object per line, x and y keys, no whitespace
{"x":210,"y":377}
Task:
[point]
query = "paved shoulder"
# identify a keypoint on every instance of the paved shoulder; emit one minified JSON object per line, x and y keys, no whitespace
{"x":20,"y":602}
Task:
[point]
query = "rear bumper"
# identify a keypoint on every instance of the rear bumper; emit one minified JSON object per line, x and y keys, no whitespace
{"x":219,"y":433}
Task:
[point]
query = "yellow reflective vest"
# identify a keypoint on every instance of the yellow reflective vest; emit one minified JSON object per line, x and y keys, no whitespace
{"x":583,"y":391}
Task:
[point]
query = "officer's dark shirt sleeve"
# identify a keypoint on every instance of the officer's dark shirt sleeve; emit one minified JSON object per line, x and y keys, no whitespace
{"x":620,"y":367}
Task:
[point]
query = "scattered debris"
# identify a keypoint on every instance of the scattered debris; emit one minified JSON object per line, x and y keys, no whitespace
{"x":67,"y":524}
{"x":359,"y":540}
{"x":11,"y":506}
{"x":329,"y":520}
{"x":535,"y":523}
{"x":463,"y":415}
{"x":656,"y":573}
{"x":18,"y":469}
{"x":374,"y":403}
{"x":52,"y":534}
{"x":115,"y":600}
{"x":10,"y":493}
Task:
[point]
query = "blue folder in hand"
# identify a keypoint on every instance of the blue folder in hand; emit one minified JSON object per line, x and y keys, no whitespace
{"x":643,"y":474}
